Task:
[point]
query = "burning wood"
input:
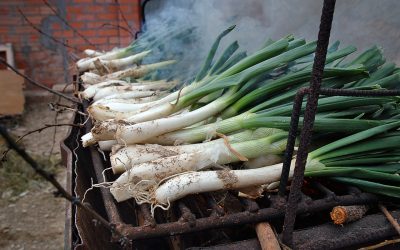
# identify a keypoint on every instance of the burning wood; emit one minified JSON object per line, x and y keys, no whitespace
{"x":345,"y":214}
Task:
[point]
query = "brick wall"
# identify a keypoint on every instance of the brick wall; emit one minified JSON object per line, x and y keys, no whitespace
{"x":49,"y":62}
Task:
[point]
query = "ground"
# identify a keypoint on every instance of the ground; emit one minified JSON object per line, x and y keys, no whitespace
{"x":30,"y":216}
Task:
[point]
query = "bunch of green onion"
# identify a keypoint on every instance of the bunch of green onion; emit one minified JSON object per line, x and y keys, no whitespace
{"x":164,"y":140}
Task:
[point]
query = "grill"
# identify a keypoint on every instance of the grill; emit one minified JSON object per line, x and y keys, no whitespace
{"x":218,"y":220}
{"x":222,"y":220}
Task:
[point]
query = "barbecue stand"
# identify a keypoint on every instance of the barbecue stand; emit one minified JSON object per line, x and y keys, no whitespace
{"x":200,"y":221}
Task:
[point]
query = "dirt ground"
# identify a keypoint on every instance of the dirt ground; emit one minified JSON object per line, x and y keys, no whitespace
{"x":30,"y":216}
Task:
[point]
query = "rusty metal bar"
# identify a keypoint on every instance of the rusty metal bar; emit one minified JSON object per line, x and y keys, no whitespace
{"x":186,"y":214}
{"x":236,"y":219}
{"x":148,"y":219}
{"x":356,"y":93}
{"x":309,"y":117}
{"x":111,"y":208}
{"x":294,"y":124}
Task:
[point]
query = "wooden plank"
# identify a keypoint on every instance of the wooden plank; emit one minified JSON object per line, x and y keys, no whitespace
{"x":12,"y":96}
{"x":267,"y":237}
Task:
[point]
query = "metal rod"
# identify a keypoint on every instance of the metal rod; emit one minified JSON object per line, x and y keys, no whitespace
{"x":356,"y":92}
{"x":241,"y":218}
{"x":309,"y":117}
{"x":294,"y":124}
{"x":109,"y":204}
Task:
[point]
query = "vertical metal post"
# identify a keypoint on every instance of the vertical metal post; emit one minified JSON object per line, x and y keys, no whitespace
{"x":309,"y":117}
{"x":294,"y":124}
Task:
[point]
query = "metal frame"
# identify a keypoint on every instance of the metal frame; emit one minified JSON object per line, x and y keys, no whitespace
{"x":313,"y":93}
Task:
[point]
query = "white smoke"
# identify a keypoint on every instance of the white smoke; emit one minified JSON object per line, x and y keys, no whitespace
{"x":361,"y":23}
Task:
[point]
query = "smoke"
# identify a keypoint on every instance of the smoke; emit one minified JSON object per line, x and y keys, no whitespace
{"x":361,"y":23}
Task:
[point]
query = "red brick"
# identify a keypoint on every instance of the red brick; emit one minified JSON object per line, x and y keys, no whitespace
{"x":58,"y":33}
{"x":85,"y":17}
{"x":128,"y":1}
{"x":107,"y":32}
{"x":32,"y":10}
{"x":105,"y":1}
{"x":34,"y":37}
{"x":36,"y":20}
{"x":38,"y":56}
{"x":78,"y":25}
{"x":68,"y":33}
{"x":74,"y":9}
{"x":12,"y":21}
{"x":97,"y":9}
{"x":55,"y":26}
{"x":44,"y":10}
{"x":94,"y":25}
{"x":4,"y":29}
{"x":111,"y":8}
{"x":82,"y":1}
{"x":88,"y":33}
{"x":4,"y":11}
{"x":99,"y":40}
{"x":23,"y":29}
{"x":77,"y":41}
{"x":107,"y":16}
{"x":21,"y":64}
{"x":12,"y":39}
{"x":114,"y":40}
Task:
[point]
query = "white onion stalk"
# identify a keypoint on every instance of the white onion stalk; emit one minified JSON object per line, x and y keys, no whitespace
{"x":199,"y":134}
{"x":135,"y":72}
{"x":92,"y":53}
{"x":88,"y":139}
{"x":101,"y":132}
{"x":154,"y":171}
{"x":107,"y":145}
{"x":104,"y":84}
{"x":131,"y":134}
{"x":145,"y":82}
{"x":129,"y":95}
{"x":91,"y":90}
{"x":111,"y":90}
{"x":106,"y":129}
{"x":123,"y":158}
{"x":147,"y":111}
{"x":84,"y":64}
{"x":90,"y":78}
{"x":118,"y":64}
{"x":153,"y":108}
{"x":208,"y":181}
{"x":106,"y":91}
{"x":148,"y":129}
{"x":111,"y":102}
